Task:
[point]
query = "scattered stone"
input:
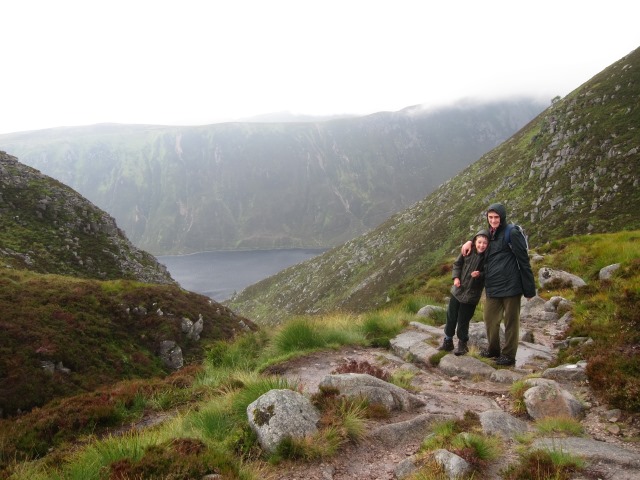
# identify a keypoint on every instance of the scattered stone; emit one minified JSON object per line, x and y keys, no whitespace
{"x":551,"y":401}
{"x":607,"y":272}
{"x":406,"y":467}
{"x":465,"y":366}
{"x":375,"y":390}
{"x":454,"y":466}
{"x":568,"y":372}
{"x":614,"y":429}
{"x":594,"y":451}
{"x":549,"y":276}
{"x":411,"y":345}
{"x":409,"y":430}
{"x":497,"y":422}
{"x":613,"y":415}
{"x":430,"y":311}
{"x":171,"y":354}
{"x":504,"y":375}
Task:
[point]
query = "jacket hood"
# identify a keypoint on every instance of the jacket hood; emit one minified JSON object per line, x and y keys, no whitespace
{"x":482,"y":232}
{"x":500,"y":210}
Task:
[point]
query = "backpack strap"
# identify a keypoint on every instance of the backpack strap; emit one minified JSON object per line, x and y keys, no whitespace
{"x":507,"y":234}
{"x":507,"y":238}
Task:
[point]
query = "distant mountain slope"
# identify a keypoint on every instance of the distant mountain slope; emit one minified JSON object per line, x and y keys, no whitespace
{"x":47,"y":227}
{"x":266,"y":185}
{"x":573,"y":170}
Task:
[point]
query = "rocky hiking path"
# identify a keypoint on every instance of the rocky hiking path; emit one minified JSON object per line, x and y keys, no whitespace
{"x":461,"y":384}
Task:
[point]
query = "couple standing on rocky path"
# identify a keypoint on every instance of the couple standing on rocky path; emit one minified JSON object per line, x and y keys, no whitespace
{"x":496,"y":259}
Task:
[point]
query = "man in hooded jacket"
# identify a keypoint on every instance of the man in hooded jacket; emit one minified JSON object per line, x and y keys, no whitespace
{"x":508,"y":276}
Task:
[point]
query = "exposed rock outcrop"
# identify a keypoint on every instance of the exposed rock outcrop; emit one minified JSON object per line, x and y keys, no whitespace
{"x":53,"y":229}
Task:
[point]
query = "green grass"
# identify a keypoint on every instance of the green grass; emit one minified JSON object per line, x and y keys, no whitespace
{"x":559,"y":425}
{"x":464,"y":438}
{"x":544,"y":465}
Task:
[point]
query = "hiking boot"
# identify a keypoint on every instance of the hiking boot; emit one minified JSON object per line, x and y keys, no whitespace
{"x":505,"y":361}
{"x":488,"y":354}
{"x":462,"y":348}
{"x":447,"y":345}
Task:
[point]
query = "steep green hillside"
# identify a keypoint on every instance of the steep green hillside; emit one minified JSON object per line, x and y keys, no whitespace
{"x":47,"y":227}
{"x":572,"y":170}
{"x":266,"y":185}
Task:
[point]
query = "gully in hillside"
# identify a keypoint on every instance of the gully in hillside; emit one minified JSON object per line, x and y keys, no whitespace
{"x":508,"y":276}
{"x":468,"y":282}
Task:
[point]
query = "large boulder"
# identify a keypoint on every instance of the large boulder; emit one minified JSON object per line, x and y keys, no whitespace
{"x":558,"y":278}
{"x":171,"y":354}
{"x":281,"y":414}
{"x":412,"y":345}
{"x":568,"y":372}
{"x":465,"y":366}
{"x":498,"y":422}
{"x":373,"y":389}
{"x":454,"y":466}
{"x":607,"y":272}
{"x":548,"y":399}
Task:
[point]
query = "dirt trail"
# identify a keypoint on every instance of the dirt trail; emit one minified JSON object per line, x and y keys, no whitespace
{"x":372,"y":460}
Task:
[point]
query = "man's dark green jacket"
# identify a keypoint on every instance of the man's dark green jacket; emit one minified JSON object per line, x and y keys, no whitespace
{"x":507,"y":271}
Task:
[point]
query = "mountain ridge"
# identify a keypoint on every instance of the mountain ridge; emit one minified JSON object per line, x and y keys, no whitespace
{"x":236,"y":185}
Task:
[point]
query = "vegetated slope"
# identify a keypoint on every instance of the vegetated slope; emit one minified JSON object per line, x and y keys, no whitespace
{"x":47,"y":227}
{"x":63,"y":335}
{"x":572,"y":170}
{"x":267,"y":185}
{"x":209,"y":432}
{"x":64,"y":329}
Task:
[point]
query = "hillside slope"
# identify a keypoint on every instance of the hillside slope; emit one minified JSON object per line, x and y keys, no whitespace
{"x":572,"y":170}
{"x":63,"y":336}
{"x":47,"y":227}
{"x":80,"y":306}
{"x":266,"y":185}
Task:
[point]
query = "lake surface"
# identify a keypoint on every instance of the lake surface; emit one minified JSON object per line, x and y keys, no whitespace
{"x":219,"y":274}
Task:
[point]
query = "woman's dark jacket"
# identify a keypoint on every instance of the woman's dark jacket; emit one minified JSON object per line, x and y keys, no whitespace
{"x":470,"y":289}
{"x":507,"y":271}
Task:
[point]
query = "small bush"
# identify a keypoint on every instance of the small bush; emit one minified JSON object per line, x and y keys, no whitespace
{"x":517,"y":394}
{"x":322,"y":445}
{"x":543,"y":465}
{"x":353,"y":366}
{"x":380,"y":329}
{"x":297,"y":335}
{"x":476,"y":449}
{"x":403,"y":378}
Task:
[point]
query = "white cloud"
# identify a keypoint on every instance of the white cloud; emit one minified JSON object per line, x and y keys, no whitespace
{"x":75,"y":62}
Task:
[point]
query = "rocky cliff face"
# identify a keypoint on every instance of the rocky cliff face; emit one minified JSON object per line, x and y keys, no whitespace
{"x":266,"y":185}
{"x":47,"y":227}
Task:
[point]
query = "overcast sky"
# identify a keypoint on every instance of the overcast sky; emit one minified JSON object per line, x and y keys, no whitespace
{"x":190,"y":62}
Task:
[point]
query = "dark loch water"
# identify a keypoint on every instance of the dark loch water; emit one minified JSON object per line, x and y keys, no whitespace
{"x":219,"y":274}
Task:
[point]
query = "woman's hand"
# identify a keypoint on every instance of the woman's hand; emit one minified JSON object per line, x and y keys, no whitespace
{"x":456,"y":282}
